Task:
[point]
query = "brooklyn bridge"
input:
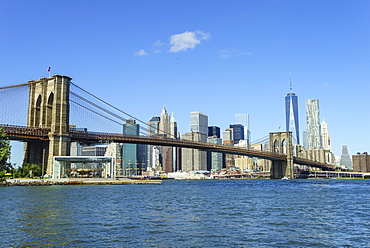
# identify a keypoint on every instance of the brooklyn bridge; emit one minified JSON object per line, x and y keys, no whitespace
{"x":39,"y":113}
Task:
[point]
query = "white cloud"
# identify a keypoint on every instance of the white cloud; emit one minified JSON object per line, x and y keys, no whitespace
{"x":184,"y":41}
{"x":141,"y":52}
{"x":158,"y":43}
{"x":224,"y":54}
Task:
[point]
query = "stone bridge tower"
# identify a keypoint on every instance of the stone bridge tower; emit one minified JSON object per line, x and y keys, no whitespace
{"x":281,"y":142}
{"x":49,"y":107}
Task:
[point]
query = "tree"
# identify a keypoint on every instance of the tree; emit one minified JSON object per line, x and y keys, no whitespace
{"x":4,"y":150}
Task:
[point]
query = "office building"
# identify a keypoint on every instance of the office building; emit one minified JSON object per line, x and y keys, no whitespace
{"x":244,"y":120}
{"x":238,"y":132}
{"x":313,"y":129}
{"x":214,"y":159}
{"x":325,"y":136}
{"x":194,"y":159}
{"x":199,"y":122}
{"x":291,"y":115}
{"x":361,"y":162}
{"x":345,"y":158}
{"x":93,"y":150}
{"x":214,"y":131}
{"x":129,"y":151}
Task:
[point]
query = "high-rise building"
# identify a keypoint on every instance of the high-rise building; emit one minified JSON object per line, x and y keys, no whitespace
{"x":129,"y":151}
{"x":291,"y":115}
{"x":194,"y":159}
{"x":244,"y":120}
{"x":325,"y":136}
{"x":361,"y":162}
{"x":228,"y":136}
{"x":345,"y":158}
{"x":199,"y":122}
{"x":93,"y":150}
{"x":313,"y":132}
{"x":162,"y":157}
{"x":153,"y":126}
{"x":238,"y":132}
{"x":214,"y":159}
{"x":214,"y":131}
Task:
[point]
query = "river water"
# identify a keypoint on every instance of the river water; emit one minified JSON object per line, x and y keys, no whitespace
{"x":189,"y":213}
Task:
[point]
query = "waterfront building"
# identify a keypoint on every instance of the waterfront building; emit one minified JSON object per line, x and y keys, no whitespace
{"x":114,"y":150}
{"x":325,"y":136}
{"x":199,"y":122}
{"x":129,"y":151}
{"x":244,"y":120}
{"x":76,"y":148}
{"x":93,"y":151}
{"x":313,"y":135}
{"x":214,"y":159}
{"x":361,"y":162}
{"x":194,"y":159}
{"x":238,"y":132}
{"x":214,"y":131}
{"x":291,"y":115}
{"x":345,"y":158}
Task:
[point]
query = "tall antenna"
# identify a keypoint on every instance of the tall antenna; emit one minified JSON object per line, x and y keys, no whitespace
{"x":290,"y":82}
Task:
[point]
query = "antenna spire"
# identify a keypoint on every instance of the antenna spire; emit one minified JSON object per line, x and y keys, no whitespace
{"x":290,"y":82}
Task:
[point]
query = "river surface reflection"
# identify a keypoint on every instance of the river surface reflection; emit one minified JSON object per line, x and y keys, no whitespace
{"x":189,"y":213}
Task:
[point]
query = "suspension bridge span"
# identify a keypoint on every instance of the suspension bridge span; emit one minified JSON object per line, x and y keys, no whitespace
{"x":47,"y":132}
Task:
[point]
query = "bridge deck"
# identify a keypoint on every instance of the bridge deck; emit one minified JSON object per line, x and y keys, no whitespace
{"x":30,"y":133}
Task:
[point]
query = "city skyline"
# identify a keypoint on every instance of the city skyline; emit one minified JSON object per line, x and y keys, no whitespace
{"x":228,"y":59}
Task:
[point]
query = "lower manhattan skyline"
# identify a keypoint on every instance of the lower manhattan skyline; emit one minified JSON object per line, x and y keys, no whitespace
{"x":229,"y":59}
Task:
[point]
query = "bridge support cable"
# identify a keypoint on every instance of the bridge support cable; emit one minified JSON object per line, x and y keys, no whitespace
{"x":115,"y":109}
{"x":101,"y":115}
{"x":14,"y":104}
{"x":92,"y":116}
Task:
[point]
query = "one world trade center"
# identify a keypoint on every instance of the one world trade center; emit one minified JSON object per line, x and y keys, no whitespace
{"x":291,"y":113}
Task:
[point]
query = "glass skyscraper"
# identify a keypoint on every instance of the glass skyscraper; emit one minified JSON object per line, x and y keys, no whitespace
{"x":199,"y":122}
{"x":129,"y":151}
{"x":291,"y":114}
{"x":244,"y":120}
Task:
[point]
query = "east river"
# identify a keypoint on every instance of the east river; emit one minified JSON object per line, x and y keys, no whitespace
{"x":189,"y":213}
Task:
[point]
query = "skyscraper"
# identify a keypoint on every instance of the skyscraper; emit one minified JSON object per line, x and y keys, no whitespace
{"x":194,"y":159}
{"x":238,"y":132}
{"x":244,"y":120}
{"x":199,"y":122}
{"x":291,"y":114}
{"x":313,"y":135}
{"x":214,"y":131}
{"x":345,"y":158}
{"x":325,"y":136}
{"x":129,"y":151}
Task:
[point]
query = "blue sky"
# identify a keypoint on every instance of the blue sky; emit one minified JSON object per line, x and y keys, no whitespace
{"x":217,"y":57}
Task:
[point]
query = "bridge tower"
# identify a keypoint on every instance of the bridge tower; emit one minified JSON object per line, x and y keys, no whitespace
{"x":49,"y":107}
{"x":281,"y":142}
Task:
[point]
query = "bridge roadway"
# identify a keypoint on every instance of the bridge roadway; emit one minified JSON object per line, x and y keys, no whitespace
{"x":31,"y":133}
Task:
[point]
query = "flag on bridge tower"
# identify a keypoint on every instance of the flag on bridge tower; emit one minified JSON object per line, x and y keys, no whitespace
{"x":48,"y":70}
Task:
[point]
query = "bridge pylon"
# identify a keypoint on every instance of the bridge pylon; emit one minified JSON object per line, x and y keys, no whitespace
{"x":281,"y":142}
{"x":48,"y":107}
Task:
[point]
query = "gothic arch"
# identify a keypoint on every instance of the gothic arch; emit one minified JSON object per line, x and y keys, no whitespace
{"x":38,"y":111}
{"x":49,"y":109}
